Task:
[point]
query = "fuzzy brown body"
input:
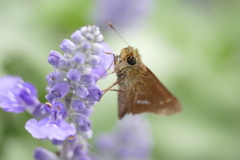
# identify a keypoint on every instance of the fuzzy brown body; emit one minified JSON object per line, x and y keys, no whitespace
{"x":139,"y":90}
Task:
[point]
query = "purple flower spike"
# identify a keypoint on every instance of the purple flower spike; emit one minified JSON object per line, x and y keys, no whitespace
{"x":67,"y":46}
{"x":17,"y":96}
{"x":72,"y":91}
{"x":74,"y":74}
{"x":126,"y":141}
{"x":47,"y":128}
{"x":43,"y":154}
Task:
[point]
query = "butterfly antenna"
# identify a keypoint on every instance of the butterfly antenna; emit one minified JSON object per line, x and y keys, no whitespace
{"x":110,"y":24}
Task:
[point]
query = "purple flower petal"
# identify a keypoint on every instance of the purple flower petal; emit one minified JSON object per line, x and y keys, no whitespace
{"x":60,"y":110}
{"x":79,"y":57}
{"x":81,"y":91}
{"x":51,"y":97}
{"x":105,"y":142}
{"x":60,"y":89}
{"x":95,"y":30}
{"x":54,"y":77}
{"x":82,"y":122}
{"x":99,"y":38}
{"x":28,"y":93}
{"x":87,"y":111}
{"x":122,"y":12}
{"x":78,"y":105}
{"x":86,"y":45}
{"x":108,"y":62}
{"x":77,"y":37}
{"x":127,"y":141}
{"x":74,"y":74}
{"x":57,"y":142}
{"x":54,"y":58}
{"x":40,"y":112}
{"x":89,"y":36}
{"x":71,"y":63}
{"x":67,"y":46}
{"x":89,"y":79}
{"x":94,"y":93}
{"x":63,"y":63}
{"x":80,"y":152}
{"x":43,"y":154}
{"x":90,"y":103}
{"x":97,"y":49}
{"x":95,"y":61}
{"x":46,"y":128}
{"x":84,"y":30}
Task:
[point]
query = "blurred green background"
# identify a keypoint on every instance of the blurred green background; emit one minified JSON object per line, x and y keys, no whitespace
{"x":193,"y":47}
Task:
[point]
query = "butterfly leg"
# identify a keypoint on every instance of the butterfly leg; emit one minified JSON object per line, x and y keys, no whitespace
{"x":114,"y":57}
{"x":117,"y":90}
{"x":103,"y":74}
{"x":107,"y":89}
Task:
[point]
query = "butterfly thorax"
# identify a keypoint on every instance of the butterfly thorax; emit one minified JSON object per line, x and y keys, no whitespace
{"x":130,"y":67}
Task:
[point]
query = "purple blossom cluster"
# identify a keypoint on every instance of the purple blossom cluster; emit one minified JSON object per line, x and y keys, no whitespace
{"x":72,"y":91}
{"x":130,"y":140}
{"x":17,"y":96}
{"x":123,"y":13}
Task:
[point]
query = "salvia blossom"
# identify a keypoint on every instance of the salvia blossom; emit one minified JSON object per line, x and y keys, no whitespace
{"x":130,"y":140}
{"x":72,"y":91}
{"x":17,"y":96}
{"x":122,"y":13}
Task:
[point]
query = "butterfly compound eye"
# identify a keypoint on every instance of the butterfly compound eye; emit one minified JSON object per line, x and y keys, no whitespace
{"x":131,"y":60}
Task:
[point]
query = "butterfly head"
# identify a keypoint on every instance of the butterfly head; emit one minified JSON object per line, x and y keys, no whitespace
{"x":129,"y":55}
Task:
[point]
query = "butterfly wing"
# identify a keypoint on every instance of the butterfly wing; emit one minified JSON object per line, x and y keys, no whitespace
{"x":147,"y":94}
